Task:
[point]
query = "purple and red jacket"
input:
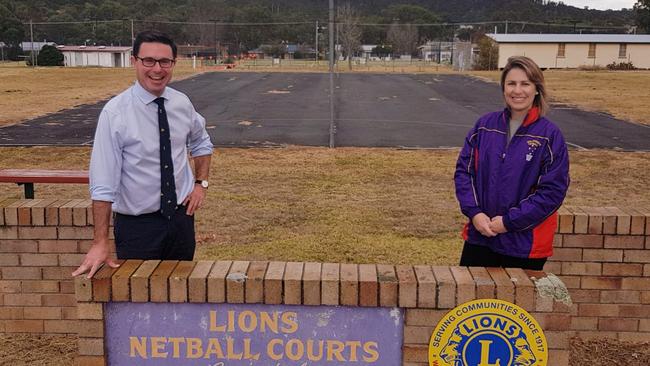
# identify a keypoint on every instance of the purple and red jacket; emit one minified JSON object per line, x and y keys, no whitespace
{"x":525,"y":181}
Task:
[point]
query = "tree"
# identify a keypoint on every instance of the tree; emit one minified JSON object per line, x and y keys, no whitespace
{"x":642,"y":9}
{"x":382,"y":50}
{"x":413,"y":14}
{"x":488,"y":54}
{"x":50,"y":56}
{"x":403,"y":38}
{"x":349,"y":31}
{"x":11,"y":29}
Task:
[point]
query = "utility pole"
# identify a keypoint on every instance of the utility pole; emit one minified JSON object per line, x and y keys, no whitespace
{"x":132,"y":36}
{"x":451,"y":55}
{"x":31,"y":36}
{"x":217,"y":54}
{"x":316,"y":42}
{"x":331,"y":68}
{"x":506,"y":27}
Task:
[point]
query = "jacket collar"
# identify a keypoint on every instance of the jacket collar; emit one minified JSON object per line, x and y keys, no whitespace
{"x":531,"y":117}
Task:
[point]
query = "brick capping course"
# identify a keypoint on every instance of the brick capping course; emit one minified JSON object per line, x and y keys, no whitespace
{"x":602,"y":255}
{"x":172,"y":281}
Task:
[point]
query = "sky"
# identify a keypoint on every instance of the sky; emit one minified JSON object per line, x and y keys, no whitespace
{"x":601,"y":4}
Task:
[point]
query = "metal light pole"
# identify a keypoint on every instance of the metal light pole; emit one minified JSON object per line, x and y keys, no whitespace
{"x":217,"y":51}
{"x":316,"y":42}
{"x":332,"y":50}
{"x":132,"y":36}
{"x":217,"y":48}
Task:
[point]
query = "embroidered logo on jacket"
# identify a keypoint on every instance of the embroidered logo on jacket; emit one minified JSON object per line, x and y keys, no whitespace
{"x":532,"y":146}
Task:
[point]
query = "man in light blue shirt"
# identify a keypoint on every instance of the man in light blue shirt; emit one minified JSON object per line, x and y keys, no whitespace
{"x":139,"y":167}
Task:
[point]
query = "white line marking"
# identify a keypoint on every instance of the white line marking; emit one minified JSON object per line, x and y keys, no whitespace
{"x":576,"y":146}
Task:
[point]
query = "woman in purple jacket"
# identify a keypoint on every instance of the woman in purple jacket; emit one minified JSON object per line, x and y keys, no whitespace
{"x":512,"y":175}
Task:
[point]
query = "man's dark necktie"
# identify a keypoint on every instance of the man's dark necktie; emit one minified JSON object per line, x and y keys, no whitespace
{"x":167,"y":184}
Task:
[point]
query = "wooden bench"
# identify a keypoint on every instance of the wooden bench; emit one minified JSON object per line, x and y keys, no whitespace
{"x":28,"y":177}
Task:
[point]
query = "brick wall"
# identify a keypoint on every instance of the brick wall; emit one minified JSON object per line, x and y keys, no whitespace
{"x":426,"y":292}
{"x":603,"y":256}
{"x":41,"y":242}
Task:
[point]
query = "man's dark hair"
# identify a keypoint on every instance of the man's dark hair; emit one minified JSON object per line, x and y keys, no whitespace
{"x":153,"y":36}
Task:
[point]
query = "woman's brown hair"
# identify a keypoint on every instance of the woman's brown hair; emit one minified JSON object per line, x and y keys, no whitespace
{"x":534,"y":74}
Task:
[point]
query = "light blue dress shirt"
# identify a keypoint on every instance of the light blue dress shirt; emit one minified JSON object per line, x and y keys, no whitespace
{"x":125,"y":161}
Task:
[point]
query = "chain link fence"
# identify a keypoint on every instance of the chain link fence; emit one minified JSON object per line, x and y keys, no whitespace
{"x":291,"y":45}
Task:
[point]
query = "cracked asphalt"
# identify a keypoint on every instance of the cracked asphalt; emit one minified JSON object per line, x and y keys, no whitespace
{"x":370,"y":110}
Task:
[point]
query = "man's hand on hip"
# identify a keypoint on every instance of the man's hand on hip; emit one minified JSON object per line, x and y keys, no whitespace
{"x":194,"y":201}
{"x":95,"y":258}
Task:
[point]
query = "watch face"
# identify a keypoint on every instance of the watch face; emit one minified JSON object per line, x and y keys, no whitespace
{"x":204,"y":183}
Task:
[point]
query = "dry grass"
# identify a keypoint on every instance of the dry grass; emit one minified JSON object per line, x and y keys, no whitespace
{"x":37,"y":350}
{"x":608,"y":352}
{"x":27,"y":92}
{"x":623,"y":94}
{"x":344,"y":205}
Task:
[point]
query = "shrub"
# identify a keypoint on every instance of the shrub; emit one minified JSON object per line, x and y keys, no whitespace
{"x":48,"y":56}
{"x":621,"y":66}
{"x":298,"y":55}
{"x":590,"y":68}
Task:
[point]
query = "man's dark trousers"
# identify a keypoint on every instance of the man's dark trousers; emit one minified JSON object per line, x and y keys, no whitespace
{"x":153,"y":236}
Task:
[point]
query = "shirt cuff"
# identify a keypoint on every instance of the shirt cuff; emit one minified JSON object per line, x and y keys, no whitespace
{"x":201,"y":152}
{"x":97,"y":194}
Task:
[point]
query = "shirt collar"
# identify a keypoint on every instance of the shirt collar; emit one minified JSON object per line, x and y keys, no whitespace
{"x":146,"y":97}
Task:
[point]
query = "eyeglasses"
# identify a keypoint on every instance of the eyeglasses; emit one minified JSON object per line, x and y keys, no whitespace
{"x":165,"y":63}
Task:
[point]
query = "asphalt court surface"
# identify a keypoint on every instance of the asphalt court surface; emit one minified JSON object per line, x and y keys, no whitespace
{"x":371,"y":110}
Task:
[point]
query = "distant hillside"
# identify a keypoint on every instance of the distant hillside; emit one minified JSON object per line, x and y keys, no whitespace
{"x":475,"y":10}
{"x":187,"y":10}
{"x":193,"y":21}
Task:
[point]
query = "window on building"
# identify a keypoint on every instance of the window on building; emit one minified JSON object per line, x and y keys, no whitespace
{"x":561,"y":48}
{"x":622,"y":50}
{"x":592,"y":50}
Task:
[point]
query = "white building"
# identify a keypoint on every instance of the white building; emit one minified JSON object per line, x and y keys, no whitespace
{"x":34,"y":46}
{"x":104,"y":56}
{"x":575,"y":50}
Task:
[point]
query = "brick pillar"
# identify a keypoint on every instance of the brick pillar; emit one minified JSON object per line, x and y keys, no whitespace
{"x":602,"y":254}
{"x":41,"y":242}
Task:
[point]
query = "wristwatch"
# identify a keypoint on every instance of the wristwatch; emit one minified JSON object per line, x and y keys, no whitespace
{"x":203,"y":183}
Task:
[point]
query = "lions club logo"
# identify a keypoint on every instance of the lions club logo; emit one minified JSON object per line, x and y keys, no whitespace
{"x":488,"y":332}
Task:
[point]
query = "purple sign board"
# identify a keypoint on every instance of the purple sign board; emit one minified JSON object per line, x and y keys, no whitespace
{"x":247,"y":334}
